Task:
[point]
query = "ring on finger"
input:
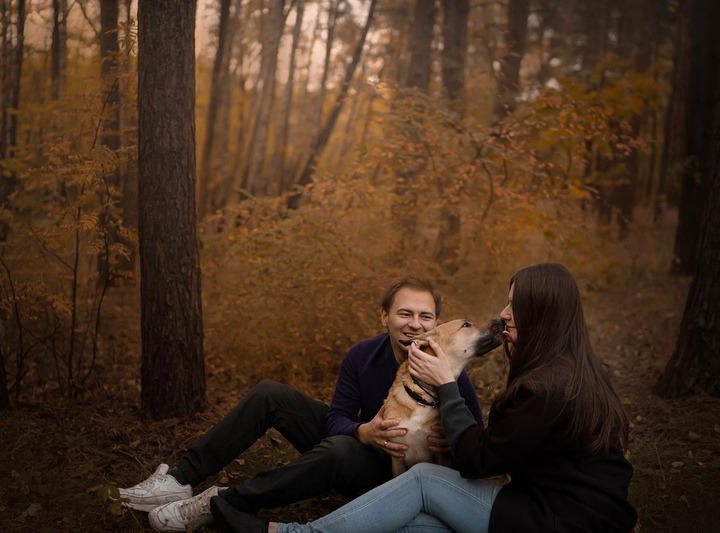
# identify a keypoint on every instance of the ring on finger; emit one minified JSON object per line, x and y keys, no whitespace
{"x":385,"y":443}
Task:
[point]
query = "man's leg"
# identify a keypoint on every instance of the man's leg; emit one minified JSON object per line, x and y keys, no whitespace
{"x":298,"y":418}
{"x":338,"y":462}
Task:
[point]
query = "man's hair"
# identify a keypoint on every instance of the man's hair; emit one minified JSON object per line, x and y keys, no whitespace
{"x":411,"y":283}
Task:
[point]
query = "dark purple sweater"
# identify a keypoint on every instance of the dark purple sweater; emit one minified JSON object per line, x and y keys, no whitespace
{"x":365,"y":377}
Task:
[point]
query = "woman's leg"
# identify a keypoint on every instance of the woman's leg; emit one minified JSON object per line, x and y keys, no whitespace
{"x":462,"y":504}
{"x":426,"y":523}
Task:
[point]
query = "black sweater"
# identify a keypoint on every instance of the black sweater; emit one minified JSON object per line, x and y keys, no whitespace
{"x":555,"y":485}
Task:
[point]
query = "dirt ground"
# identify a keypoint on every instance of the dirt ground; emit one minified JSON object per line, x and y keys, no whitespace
{"x":58,"y":457}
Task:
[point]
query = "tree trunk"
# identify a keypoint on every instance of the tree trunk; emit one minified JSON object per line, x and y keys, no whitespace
{"x":455,"y":28}
{"x":109,"y":71}
{"x":222,"y":129}
{"x":673,"y":148}
{"x":516,"y":37}
{"x":420,"y":67}
{"x":695,"y":363}
{"x":4,"y":394}
{"x":700,"y":101}
{"x":220,"y":196}
{"x":59,"y":48}
{"x":110,"y":138}
{"x":280,"y":153}
{"x":323,"y":135}
{"x":333,"y":10}
{"x":173,"y":369}
{"x":11,"y":61}
{"x":455,"y":23}
{"x":596,"y":22}
{"x":271,"y":43}
{"x":216,"y":88}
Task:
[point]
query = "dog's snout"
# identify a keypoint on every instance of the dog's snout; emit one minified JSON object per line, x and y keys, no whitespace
{"x":497,"y":326}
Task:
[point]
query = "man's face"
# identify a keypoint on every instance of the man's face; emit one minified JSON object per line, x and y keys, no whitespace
{"x":412,"y":312}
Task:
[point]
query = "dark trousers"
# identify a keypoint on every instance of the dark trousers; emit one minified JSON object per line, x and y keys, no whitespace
{"x":339,"y":462}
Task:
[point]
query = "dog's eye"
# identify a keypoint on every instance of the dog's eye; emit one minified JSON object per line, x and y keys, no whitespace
{"x":466,"y":325}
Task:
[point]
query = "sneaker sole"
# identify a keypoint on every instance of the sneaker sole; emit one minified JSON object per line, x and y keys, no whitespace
{"x":147,"y":507}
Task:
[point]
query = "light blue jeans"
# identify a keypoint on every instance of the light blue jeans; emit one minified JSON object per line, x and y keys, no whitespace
{"x":427,"y":497}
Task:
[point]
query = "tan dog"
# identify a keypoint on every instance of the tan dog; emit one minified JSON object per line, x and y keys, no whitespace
{"x":415,"y":403}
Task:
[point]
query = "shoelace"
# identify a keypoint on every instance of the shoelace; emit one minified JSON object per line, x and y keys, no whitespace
{"x":195,"y":507}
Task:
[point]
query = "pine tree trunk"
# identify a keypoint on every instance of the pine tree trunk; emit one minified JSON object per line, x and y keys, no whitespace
{"x":110,"y":138}
{"x":333,"y":9}
{"x":420,"y":67}
{"x":271,"y":43}
{"x":4,"y":394}
{"x":216,"y":89}
{"x":700,"y":100}
{"x":695,"y":363}
{"x":173,"y":371}
{"x":455,"y":29}
{"x":673,"y":148}
{"x":58,"y":71}
{"x":278,"y":172}
{"x":11,"y":61}
{"x":323,"y":135}
{"x":516,"y":37}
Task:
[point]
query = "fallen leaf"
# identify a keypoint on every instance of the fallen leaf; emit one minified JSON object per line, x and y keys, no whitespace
{"x":32,"y":510}
{"x":677,"y":464}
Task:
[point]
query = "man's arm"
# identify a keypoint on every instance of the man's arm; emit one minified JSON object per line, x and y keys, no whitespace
{"x":342,"y":417}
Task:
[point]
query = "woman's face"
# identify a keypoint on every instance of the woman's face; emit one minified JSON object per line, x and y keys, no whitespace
{"x":506,"y":314}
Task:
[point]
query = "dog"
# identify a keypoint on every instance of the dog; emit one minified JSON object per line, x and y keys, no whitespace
{"x":415,"y":403}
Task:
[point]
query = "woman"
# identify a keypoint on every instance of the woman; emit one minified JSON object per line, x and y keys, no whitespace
{"x":558,"y":429}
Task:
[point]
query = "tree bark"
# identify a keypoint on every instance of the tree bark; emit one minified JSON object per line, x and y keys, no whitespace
{"x":12,"y":61}
{"x":333,"y":10}
{"x":323,"y":135}
{"x":700,"y":100}
{"x":455,"y":29}
{"x":268,"y":68}
{"x":4,"y":394}
{"x":109,"y":72}
{"x":173,"y":371}
{"x":516,"y":37}
{"x":420,"y":67}
{"x":280,"y":153}
{"x":673,"y":148}
{"x":695,"y":363}
{"x":110,"y":138}
{"x":58,"y":71}
{"x":217,"y":86}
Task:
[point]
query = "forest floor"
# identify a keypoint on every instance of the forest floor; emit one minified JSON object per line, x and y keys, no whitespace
{"x":58,"y":456}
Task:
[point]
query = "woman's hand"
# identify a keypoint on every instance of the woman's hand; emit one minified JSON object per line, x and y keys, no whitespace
{"x":433,"y":370}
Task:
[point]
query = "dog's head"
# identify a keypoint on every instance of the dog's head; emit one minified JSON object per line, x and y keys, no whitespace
{"x":463,"y":340}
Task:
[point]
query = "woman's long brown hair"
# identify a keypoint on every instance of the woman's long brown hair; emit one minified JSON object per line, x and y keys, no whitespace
{"x":552,"y":333}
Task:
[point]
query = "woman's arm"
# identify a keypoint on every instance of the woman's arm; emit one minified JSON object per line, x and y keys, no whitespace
{"x":514,"y":433}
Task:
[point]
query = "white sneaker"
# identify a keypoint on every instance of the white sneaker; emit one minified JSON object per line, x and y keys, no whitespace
{"x":176,"y":516}
{"x":158,"y":489}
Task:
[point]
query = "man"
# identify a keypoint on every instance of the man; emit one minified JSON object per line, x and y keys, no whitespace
{"x":345,"y":446}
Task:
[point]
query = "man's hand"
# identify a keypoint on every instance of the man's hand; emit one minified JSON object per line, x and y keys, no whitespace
{"x":378,"y":433}
{"x":437,"y":440}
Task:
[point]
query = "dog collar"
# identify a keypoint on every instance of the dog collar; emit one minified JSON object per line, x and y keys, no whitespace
{"x":419,"y":399}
